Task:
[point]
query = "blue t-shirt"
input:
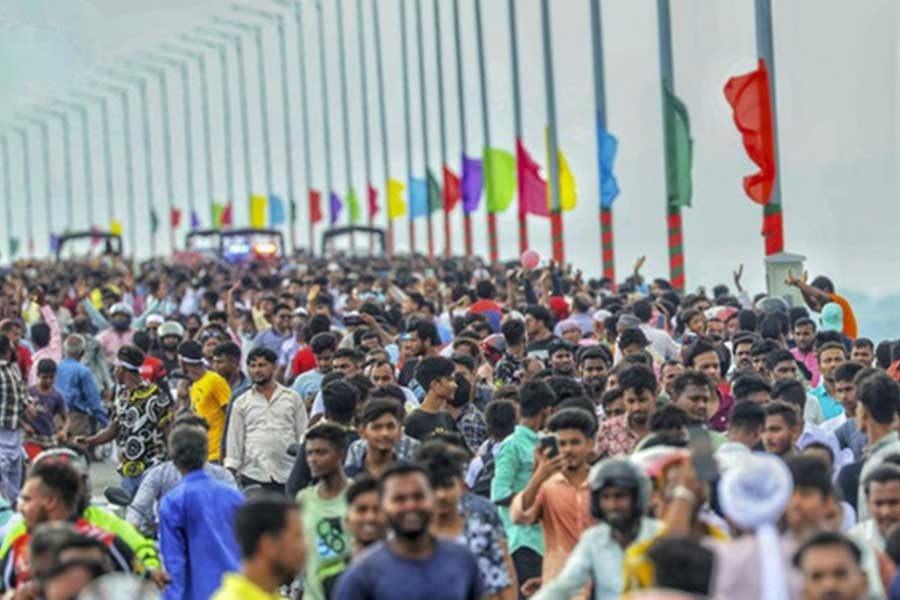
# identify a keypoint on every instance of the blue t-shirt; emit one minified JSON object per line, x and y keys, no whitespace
{"x":450,"y":573}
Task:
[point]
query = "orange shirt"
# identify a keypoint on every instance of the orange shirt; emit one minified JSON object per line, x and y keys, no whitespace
{"x":851,"y":330}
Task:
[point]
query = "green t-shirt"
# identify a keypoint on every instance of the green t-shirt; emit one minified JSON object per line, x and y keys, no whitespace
{"x":328,"y":543}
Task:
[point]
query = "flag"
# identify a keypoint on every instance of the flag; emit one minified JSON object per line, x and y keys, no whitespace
{"x":568,"y":194}
{"x":532,"y":187}
{"x":13,"y":246}
{"x":225,"y":219}
{"x":276,"y":211}
{"x":154,"y":221}
{"x":472,"y":183}
{"x":418,"y":198}
{"x":434,"y":193}
{"x":216,"y":212}
{"x":452,"y":191}
{"x":115,"y":227}
{"x":175,"y":217}
{"x":396,"y":206}
{"x":749,"y":98}
{"x":500,"y":179}
{"x":607,"y":146}
{"x":373,"y":201}
{"x":679,"y":150}
{"x":195,"y":220}
{"x":315,"y":206}
{"x":334,"y":207}
{"x":353,"y":206}
{"x":94,"y":238}
{"x":54,"y":242}
{"x":258,"y":208}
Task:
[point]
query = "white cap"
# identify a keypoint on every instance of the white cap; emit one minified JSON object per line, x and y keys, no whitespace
{"x":155,"y":320}
{"x":602,"y":315}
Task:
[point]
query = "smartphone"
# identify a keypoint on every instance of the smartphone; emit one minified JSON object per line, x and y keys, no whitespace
{"x":352,"y":319}
{"x":550,"y":441}
{"x":702,"y":453}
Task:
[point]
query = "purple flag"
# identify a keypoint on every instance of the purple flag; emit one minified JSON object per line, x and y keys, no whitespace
{"x":195,"y":220}
{"x":472,"y":183}
{"x":334,"y":205}
{"x":54,"y":242}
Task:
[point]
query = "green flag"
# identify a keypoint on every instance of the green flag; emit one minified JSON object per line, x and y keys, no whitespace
{"x":353,"y":203}
{"x":434,"y":193}
{"x":679,"y":150}
{"x":217,"y":210}
{"x":154,"y":221}
{"x":13,"y":247}
{"x":499,"y":179}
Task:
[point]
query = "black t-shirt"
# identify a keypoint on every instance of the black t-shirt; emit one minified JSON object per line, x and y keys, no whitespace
{"x":421,"y":424}
{"x":541,"y":349}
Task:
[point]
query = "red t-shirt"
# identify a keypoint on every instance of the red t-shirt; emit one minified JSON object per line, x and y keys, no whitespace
{"x":23,"y":357}
{"x":152,"y":369}
{"x":304,"y":361}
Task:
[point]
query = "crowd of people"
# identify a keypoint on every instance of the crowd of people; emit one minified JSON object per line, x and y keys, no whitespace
{"x":354,"y":428}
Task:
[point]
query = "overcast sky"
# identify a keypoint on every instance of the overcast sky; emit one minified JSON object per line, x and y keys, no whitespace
{"x":837,"y":90}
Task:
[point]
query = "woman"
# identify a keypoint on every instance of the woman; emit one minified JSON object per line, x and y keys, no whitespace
{"x":467,"y":518}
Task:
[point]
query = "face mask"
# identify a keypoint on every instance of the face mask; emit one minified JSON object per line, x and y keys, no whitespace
{"x":121,"y":323}
{"x":463,"y":392}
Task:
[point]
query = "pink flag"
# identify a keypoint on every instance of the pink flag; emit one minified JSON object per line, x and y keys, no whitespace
{"x":532,"y":187}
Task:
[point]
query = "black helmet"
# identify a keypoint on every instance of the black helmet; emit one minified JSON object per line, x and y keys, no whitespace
{"x":622,"y":473}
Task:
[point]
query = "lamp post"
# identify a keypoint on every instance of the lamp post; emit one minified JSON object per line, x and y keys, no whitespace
{"x":67,"y":160}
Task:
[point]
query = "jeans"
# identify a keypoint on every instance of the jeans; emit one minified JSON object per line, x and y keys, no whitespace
{"x":11,"y":463}
{"x":131,"y":484}
{"x":528,"y":564}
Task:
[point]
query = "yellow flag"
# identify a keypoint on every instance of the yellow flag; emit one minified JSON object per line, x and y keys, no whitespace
{"x":396,"y":204}
{"x":259,"y":206}
{"x":568,"y":196}
{"x":115,"y":228}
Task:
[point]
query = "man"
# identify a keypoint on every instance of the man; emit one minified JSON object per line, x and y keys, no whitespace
{"x":196,"y":549}
{"x":750,"y":387}
{"x":382,"y":441}
{"x":882,"y":487}
{"x":704,"y":357}
{"x":744,"y":433}
{"x":142,"y":415}
{"x":513,"y":467}
{"x":264,"y":422}
{"x":273,"y":550}
{"x":508,"y":369}
{"x":633,"y":341}
{"x":12,"y":329}
{"x":804,"y":351}
{"x":879,"y":399}
{"x":593,"y":368}
{"x":620,"y":435}
{"x":781,"y":430}
{"x":170,"y":335}
{"x":308,"y":384}
{"x":831,"y":568}
{"x":421,"y":341}
{"x":45,"y":336}
{"x":77,"y":385}
{"x":467,"y":419}
{"x":782,"y":365}
{"x":364,"y":519}
{"x":558,"y":489}
{"x":118,"y":333}
{"x":820,"y":292}
{"x":15,"y":403}
{"x":619,"y":497}
{"x":742,"y":357}
{"x":669,"y":371}
{"x":561,"y":359}
{"x":435,"y":375}
{"x":210,"y":393}
{"x":412,"y":564}
{"x":165,"y":476}
{"x":848,"y":434}
{"x":829,"y":356}
{"x":323,"y":508}
{"x":538,"y":321}
{"x":226,"y":361}
{"x":759,"y":352}
{"x":691,"y":392}
{"x":280,"y":331}
{"x":661,"y":342}
{"x":863,"y":352}
{"x":51,"y":494}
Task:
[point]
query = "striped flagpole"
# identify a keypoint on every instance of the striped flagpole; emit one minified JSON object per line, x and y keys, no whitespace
{"x":406,"y":122}
{"x":382,"y":122}
{"x":517,"y":117}
{"x":461,"y":101}
{"x":442,"y":119}
{"x":424,"y":106}
{"x":345,"y":115}
{"x":326,"y":120}
{"x":773,"y":225}
{"x":673,"y":211}
{"x":556,"y":222}
{"x":364,"y":102}
{"x":493,"y":252}
{"x":606,"y":213}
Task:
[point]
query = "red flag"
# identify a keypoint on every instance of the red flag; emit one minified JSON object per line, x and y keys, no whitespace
{"x":532,"y":187}
{"x":225,"y":219}
{"x":748,"y":96}
{"x":175,"y":217}
{"x":94,"y":239}
{"x":452,"y":190}
{"x":315,"y":206}
{"x":373,"y":201}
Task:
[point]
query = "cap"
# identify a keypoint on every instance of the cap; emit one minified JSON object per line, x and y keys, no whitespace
{"x":155,"y":320}
{"x":120,"y":309}
{"x":832,"y":317}
{"x":559,"y":306}
{"x":300,"y":312}
{"x":602,"y":315}
{"x":190,"y":352}
{"x":569,"y":325}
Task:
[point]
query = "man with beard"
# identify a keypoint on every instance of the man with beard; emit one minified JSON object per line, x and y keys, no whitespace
{"x":620,"y":435}
{"x":170,"y":335}
{"x":741,"y":353}
{"x":781,"y":430}
{"x":270,"y":534}
{"x":562,"y":360}
{"x":324,"y":506}
{"x":704,"y":356}
{"x":692,"y":392}
{"x":264,"y":422}
{"x":538,"y":321}
{"x":226,"y":361}
{"x":593,"y":367}
{"x":469,"y":420}
{"x":412,"y":564}
{"x":620,"y":494}
{"x":557,"y":495}
{"x":829,"y":355}
{"x":831,"y":565}
{"x":804,"y":351}
{"x":364,"y":519}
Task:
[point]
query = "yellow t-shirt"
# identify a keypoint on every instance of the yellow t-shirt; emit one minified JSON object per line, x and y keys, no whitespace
{"x":209,"y":396}
{"x":237,"y":587}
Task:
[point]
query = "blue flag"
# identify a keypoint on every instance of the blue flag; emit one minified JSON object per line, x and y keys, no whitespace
{"x":334,"y":207}
{"x":276,"y":211}
{"x":418,"y":198}
{"x":195,"y":220}
{"x":606,"y":154}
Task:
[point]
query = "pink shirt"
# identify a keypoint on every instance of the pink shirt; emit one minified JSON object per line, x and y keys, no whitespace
{"x":811,"y":362}
{"x":53,"y":350}
{"x":111,"y":340}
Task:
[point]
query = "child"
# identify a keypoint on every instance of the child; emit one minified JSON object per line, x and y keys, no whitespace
{"x":42,"y":430}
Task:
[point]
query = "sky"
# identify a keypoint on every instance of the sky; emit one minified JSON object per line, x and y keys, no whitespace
{"x":836,"y":85}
